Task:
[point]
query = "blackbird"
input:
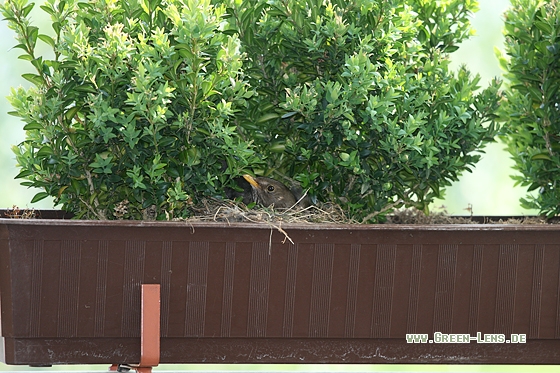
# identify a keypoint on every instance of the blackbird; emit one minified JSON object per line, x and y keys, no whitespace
{"x":269,"y":192}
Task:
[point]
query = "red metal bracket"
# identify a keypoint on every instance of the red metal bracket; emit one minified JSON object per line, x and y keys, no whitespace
{"x":149,"y":330}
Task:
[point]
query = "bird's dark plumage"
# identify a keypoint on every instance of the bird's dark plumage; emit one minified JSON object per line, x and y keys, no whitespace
{"x":243,"y":192}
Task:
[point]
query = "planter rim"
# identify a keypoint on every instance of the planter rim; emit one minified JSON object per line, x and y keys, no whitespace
{"x":276,"y":225}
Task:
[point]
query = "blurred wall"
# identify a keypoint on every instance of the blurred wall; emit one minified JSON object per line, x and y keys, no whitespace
{"x":489,"y":190}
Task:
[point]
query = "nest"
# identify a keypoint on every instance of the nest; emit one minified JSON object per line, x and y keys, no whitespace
{"x":230,"y":211}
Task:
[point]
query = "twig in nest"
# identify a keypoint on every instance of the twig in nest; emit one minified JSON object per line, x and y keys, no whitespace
{"x":297,"y":202}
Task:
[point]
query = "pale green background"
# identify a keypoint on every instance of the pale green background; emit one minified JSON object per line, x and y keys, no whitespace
{"x":488,"y":189}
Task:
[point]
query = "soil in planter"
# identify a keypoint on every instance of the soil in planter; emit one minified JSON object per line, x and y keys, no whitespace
{"x":414,"y":216}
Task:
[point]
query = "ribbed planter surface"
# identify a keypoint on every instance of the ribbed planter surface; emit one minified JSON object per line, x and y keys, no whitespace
{"x":243,"y":293}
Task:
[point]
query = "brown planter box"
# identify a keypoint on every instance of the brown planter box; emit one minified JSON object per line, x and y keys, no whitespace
{"x":241,"y":293}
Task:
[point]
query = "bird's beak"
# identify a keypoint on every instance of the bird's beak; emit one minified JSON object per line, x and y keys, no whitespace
{"x":251,"y":180}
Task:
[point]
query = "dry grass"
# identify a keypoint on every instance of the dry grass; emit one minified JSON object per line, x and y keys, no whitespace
{"x":230,"y":211}
{"x":17,"y":213}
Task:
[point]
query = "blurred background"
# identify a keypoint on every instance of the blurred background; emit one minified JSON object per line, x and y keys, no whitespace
{"x":488,"y":190}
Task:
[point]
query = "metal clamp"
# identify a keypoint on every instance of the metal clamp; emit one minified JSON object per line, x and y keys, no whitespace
{"x":149,"y":332}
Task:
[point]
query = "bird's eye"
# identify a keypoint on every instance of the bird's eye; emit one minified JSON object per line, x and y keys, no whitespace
{"x":270,"y":188}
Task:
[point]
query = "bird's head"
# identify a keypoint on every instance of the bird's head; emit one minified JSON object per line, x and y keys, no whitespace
{"x":270,"y":192}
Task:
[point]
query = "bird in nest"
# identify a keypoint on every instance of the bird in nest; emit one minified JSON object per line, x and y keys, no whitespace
{"x":267,"y":192}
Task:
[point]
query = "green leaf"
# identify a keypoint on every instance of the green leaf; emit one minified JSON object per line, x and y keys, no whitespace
{"x":289,"y":115}
{"x":24,"y":173}
{"x":26,"y":10}
{"x":45,"y":151}
{"x":32,"y":126}
{"x":61,"y":5}
{"x":71,"y":113}
{"x":33,"y":78}
{"x":278,"y":147}
{"x":267,"y":117}
{"x":39,"y":196}
{"x":61,"y":190}
{"x":25,"y":57}
{"x":544,"y":27}
{"x":47,"y":39}
{"x":86,"y":88}
{"x":32,"y":33}
{"x":57,"y":27}
{"x":47,"y":9}
{"x":541,"y":156}
{"x":21,"y":46}
{"x":533,"y":186}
